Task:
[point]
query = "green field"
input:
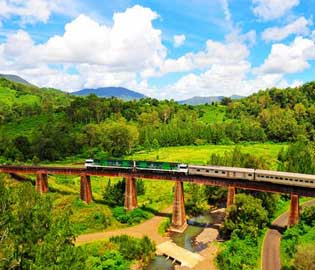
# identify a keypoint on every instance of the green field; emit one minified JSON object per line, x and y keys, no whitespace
{"x":200,"y":155}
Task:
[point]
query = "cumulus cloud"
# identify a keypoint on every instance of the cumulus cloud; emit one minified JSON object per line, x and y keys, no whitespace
{"x":103,"y":55}
{"x":219,"y":80}
{"x":289,"y":58}
{"x":299,"y":26}
{"x":179,"y":40}
{"x":272,"y":9}
{"x":32,"y":11}
{"x":215,"y":53}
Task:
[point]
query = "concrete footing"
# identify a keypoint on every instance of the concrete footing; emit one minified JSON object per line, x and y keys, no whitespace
{"x":294,"y":214}
{"x":179,"y":223}
{"x":85,"y":188}
{"x":131,"y":194}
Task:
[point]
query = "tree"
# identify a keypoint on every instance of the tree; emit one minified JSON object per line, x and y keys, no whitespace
{"x":34,"y":237}
{"x":246,"y":217}
{"x":299,"y":157}
{"x":304,"y":258}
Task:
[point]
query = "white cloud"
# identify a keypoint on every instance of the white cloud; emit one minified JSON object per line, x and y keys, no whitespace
{"x":102,"y":55}
{"x":313,"y":35}
{"x":299,"y":26}
{"x":215,"y":53}
{"x":289,"y":58}
{"x":179,"y":40}
{"x":122,"y":47}
{"x":273,"y":9}
{"x":31,"y":11}
{"x":220,"y":80}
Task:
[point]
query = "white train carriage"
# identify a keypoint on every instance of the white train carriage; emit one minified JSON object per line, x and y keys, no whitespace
{"x":222,"y":172}
{"x":294,"y":179}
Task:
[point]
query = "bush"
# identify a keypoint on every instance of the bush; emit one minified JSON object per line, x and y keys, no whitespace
{"x":133,"y":248}
{"x":131,"y":217}
{"x":239,"y":254}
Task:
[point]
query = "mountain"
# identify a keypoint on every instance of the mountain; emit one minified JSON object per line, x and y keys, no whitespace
{"x":118,"y":92}
{"x":203,"y":100}
{"x":14,"y":78}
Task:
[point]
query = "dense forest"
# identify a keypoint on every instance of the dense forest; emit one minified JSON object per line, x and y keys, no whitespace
{"x":47,"y":124}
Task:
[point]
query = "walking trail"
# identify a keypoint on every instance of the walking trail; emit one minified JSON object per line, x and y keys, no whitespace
{"x":150,"y":228}
{"x":271,"y":247}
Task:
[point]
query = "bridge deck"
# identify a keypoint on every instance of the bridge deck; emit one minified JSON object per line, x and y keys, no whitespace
{"x":181,"y":255}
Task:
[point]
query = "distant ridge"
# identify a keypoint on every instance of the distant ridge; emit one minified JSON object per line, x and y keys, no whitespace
{"x":119,"y":92}
{"x":203,"y":100}
{"x":14,"y":78}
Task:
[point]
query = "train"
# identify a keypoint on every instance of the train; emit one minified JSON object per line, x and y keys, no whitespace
{"x":294,"y":179}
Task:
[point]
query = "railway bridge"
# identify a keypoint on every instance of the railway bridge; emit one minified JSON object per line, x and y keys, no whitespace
{"x":178,"y":215}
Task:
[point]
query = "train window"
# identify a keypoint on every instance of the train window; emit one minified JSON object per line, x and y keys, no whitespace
{"x":207,"y":170}
{"x":286,"y":178}
{"x":277,"y":177}
{"x":262,"y":176}
{"x":281,"y":178}
{"x":301,"y":180}
{"x":198,"y":170}
{"x":296,"y":180}
{"x":267,"y":176}
{"x":250,"y":174}
{"x":215,"y":171}
{"x":306,"y":181}
{"x":223,"y":172}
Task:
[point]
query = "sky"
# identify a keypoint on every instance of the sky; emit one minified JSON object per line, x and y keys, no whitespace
{"x":164,"y":49}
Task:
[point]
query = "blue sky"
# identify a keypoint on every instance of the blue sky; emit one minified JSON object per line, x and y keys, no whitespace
{"x":164,"y":49}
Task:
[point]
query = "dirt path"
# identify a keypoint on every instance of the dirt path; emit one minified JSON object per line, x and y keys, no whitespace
{"x":148,"y":228}
{"x":271,"y":247}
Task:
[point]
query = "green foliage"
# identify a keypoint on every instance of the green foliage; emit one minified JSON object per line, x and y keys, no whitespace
{"x":110,"y":260}
{"x":246,"y":218}
{"x":164,"y":225}
{"x":119,"y":252}
{"x":32,"y":238}
{"x":237,"y":158}
{"x":239,"y":254}
{"x":299,"y":157}
{"x":131,"y":217}
{"x":195,"y":202}
{"x":294,"y":241}
{"x":114,"y":194}
{"x":132,"y":248}
{"x":305,"y":257}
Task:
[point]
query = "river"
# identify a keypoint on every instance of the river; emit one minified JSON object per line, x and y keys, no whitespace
{"x":185,"y":240}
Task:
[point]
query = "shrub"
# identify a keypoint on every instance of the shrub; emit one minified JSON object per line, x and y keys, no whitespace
{"x":131,"y":217}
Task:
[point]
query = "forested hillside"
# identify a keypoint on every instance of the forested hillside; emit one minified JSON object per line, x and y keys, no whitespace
{"x":48,"y":124}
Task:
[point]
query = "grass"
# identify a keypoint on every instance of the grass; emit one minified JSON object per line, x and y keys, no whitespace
{"x":213,"y":114}
{"x":26,"y":126}
{"x":201,"y":154}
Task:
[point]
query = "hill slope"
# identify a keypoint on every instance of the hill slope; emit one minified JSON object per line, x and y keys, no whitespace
{"x":203,"y":100}
{"x":14,"y":78}
{"x":118,"y":92}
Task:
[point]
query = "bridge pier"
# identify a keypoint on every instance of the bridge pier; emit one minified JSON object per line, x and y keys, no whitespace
{"x":179,"y":223}
{"x":230,"y":196}
{"x":41,"y":184}
{"x":85,"y":188}
{"x":131,"y":194}
{"x":294,"y":214}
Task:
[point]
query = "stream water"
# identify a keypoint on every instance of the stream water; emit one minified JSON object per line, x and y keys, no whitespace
{"x":185,"y":240}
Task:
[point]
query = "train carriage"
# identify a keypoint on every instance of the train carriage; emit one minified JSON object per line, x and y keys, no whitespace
{"x":294,"y":179}
{"x":222,"y":172}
